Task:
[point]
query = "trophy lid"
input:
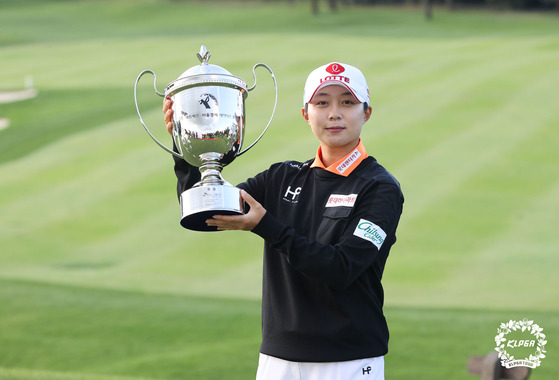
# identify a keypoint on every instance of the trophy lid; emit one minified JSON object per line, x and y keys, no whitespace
{"x":205,"y":74}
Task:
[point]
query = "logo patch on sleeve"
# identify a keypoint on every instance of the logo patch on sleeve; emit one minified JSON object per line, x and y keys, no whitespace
{"x":371,"y":232}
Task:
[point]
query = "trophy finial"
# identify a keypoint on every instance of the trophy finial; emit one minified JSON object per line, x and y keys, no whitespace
{"x":204,"y":55}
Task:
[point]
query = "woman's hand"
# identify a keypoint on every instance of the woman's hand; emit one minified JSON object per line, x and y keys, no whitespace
{"x":245,"y":222}
{"x":168,"y":114}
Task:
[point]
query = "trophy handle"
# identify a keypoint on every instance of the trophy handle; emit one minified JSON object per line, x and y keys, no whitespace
{"x":275,"y":102}
{"x":180,"y":155}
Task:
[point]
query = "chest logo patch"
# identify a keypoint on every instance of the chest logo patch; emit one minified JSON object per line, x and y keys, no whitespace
{"x":337,"y":200}
{"x":291,"y":195}
{"x":370,"y":232}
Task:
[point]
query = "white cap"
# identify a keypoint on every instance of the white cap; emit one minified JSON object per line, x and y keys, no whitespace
{"x":341,"y":74}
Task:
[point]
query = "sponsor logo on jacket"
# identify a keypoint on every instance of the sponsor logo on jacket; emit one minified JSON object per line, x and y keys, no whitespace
{"x":348,"y":162}
{"x":292,"y":194}
{"x":339,"y":200}
{"x":371,"y":232}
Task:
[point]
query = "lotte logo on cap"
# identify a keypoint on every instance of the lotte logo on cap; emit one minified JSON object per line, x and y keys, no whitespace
{"x":335,"y":68}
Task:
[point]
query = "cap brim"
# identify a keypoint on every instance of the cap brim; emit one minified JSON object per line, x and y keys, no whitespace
{"x":330,"y":83}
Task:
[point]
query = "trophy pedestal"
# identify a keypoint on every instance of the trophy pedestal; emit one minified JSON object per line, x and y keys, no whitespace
{"x":201,"y":203}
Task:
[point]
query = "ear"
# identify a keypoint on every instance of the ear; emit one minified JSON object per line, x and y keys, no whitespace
{"x":368,"y":114}
{"x":305,"y":114}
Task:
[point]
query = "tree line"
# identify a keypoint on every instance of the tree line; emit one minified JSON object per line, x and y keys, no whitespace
{"x":520,"y":5}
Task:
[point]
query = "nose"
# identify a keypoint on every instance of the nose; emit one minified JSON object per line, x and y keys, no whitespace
{"x":334,"y":114}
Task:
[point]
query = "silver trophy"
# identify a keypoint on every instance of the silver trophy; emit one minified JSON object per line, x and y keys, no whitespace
{"x":208,"y":130}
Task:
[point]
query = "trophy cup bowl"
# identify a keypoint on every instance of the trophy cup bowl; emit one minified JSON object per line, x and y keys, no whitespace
{"x":208,"y":132}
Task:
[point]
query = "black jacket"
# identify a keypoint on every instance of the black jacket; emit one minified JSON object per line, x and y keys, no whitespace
{"x":327,"y":238}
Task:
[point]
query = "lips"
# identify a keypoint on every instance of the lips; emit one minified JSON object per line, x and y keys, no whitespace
{"x":334,"y":129}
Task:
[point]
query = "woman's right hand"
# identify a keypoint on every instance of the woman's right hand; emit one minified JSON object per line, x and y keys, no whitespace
{"x":168,"y":114}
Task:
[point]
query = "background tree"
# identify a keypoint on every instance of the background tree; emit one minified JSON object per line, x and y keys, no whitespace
{"x":428,"y":9}
{"x":315,"y":9}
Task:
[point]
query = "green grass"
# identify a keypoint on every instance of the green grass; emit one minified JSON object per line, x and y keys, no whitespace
{"x":98,"y":280}
{"x":92,"y":334}
{"x":72,"y":330}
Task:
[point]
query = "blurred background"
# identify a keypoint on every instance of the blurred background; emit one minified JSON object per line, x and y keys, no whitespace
{"x":99,"y":281}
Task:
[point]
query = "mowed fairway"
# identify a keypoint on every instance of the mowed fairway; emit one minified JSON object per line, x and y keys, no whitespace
{"x":98,"y":280}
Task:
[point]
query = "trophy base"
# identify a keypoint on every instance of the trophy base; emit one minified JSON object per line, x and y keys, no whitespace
{"x":203,"y":202}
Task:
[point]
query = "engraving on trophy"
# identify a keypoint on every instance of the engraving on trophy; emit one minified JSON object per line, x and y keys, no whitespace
{"x":211,"y":197}
{"x":205,"y":101}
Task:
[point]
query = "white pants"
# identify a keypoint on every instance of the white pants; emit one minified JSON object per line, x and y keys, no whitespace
{"x":271,"y":368}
